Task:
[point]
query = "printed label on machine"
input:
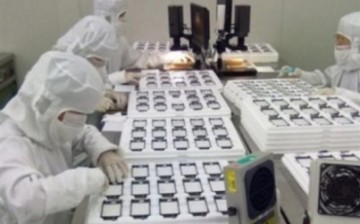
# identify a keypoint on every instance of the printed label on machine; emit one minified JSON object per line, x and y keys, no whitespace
{"x":231,"y":180}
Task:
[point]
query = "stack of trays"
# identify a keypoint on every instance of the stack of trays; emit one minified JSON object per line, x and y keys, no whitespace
{"x":299,"y":164}
{"x":238,"y":90}
{"x":155,"y":79}
{"x":177,"y":192}
{"x":177,"y":102}
{"x":152,"y":46}
{"x":302,"y":124}
{"x":181,"y":137}
{"x":256,"y":53}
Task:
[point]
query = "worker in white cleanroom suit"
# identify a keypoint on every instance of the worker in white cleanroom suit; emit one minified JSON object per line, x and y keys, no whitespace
{"x":39,"y":129}
{"x":343,"y":78}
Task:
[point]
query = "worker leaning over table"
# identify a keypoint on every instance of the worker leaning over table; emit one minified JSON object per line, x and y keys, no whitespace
{"x":39,"y":130}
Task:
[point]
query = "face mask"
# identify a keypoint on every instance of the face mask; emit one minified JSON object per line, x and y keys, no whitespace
{"x":68,"y":129}
{"x":342,"y":55}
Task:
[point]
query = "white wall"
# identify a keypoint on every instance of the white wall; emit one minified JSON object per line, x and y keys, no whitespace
{"x":29,"y":28}
{"x":309,"y":28}
{"x":301,"y":30}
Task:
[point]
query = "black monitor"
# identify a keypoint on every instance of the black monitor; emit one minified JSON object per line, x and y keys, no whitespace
{"x":242,"y":20}
{"x":227,"y":5}
{"x":200,"y":27}
{"x":177,"y":27}
{"x":176,"y":21}
{"x":226,"y":32}
{"x":242,"y":25}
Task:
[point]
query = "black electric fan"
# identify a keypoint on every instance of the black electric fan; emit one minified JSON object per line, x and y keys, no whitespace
{"x":260,"y":189}
{"x":339,"y":193}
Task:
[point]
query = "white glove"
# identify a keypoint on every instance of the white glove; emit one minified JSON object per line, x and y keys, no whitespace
{"x":325,"y":91}
{"x":119,"y":100}
{"x":288,"y":71}
{"x":105,"y":104}
{"x":177,"y":57}
{"x":113,"y":165}
{"x":133,"y":77}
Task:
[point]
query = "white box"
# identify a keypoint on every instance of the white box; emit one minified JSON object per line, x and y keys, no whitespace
{"x":207,"y":206}
{"x":158,"y":80}
{"x":256,"y":53}
{"x":181,"y":137}
{"x":177,"y":103}
{"x":152,"y":46}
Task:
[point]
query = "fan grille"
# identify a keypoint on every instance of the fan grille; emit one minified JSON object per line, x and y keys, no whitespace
{"x":262,"y":189}
{"x":339,"y":193}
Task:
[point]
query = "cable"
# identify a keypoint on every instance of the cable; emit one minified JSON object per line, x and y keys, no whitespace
{"x":306,"y":219}
{"x":284,"y":216}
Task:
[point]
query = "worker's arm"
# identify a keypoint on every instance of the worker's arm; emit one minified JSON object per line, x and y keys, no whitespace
{"x":30,"y":195}
{"x":316,"y":78}
{"x":131,"y":58}
{"x":93,"y":142}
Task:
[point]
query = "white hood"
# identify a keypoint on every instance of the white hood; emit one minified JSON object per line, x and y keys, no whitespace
{"x":349,"y":26}
{"x":110,"y":9}
{"x":91,"y":36}
{"x":58,"y":82}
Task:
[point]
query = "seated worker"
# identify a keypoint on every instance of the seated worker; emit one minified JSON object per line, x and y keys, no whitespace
{"x":39,"y":130}
{"x":344,"y":77}
{"x":94,"y":39}
{"x":114,"y":11}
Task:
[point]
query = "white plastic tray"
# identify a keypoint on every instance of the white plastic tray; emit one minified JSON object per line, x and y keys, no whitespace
{"x":152,"y":46}
{"x":177,"y":102}
{"x":181,"y":137}
{"x":238,"y":90}
{"x":155,"y":79}
{"x":166,"y":192}
{"x":299,"y":164}
{"x":281,"y":125}
{"x":257,"y":53}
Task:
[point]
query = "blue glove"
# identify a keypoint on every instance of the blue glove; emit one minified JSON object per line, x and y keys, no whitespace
{"x":288,"y":71}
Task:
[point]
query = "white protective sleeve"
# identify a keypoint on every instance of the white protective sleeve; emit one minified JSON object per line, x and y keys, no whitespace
{"x":316,"y":78}
{"x":351,"y":95}
{"x":131,"y":58}
{"x":145,"y":61}
{"x":117,"y":78}
{"x":93,"y":142}
{"x":31,"y":196}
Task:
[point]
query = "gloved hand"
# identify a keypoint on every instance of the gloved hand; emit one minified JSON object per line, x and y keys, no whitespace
{"x":177,"y":57}
{"x":119,"y":100}
{"x":113,"y":165}
{"x":288,"y":71}
{"x":105,"y":104}
{"x":133,"y":77}
{"x":106,"y":184}
{"x":325,"y":91}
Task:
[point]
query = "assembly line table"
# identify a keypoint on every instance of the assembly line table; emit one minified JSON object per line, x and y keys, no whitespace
{"x":293,"y":200}
{"x":79,"y":216}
